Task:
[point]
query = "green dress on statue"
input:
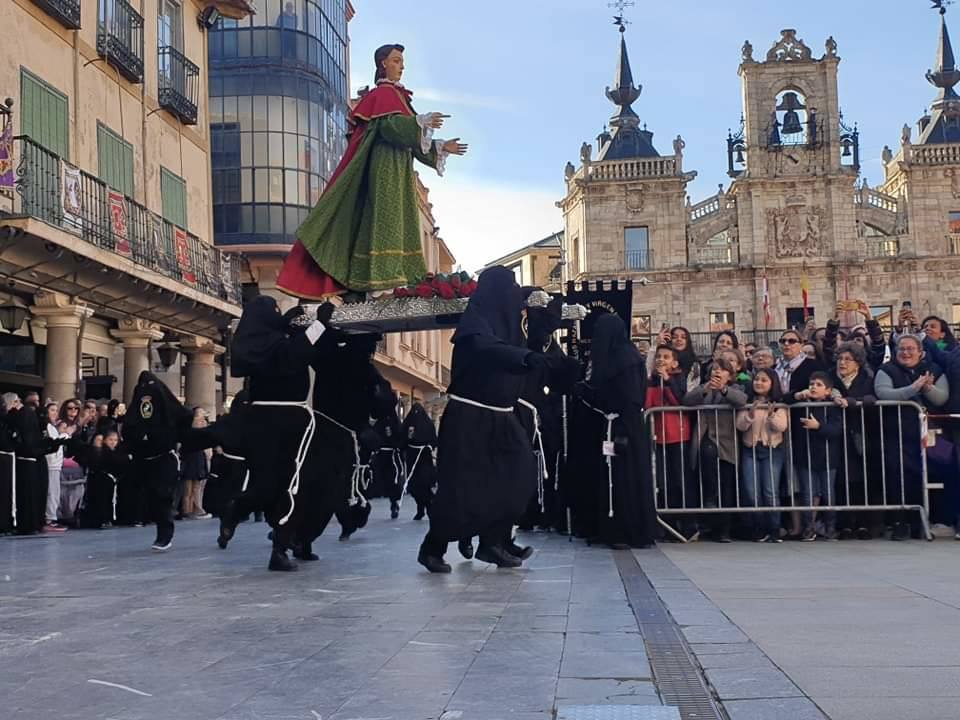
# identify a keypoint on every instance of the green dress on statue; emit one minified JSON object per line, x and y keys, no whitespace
{"x":365,"y":230}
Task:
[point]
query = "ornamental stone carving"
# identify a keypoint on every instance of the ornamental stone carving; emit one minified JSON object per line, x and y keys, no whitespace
{"x":633,"y":198}
{"x":789,"y":48}
{"x":796,"y":232}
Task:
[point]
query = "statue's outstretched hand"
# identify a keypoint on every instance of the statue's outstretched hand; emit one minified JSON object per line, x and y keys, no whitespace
{"x":455,"y":147}
{"x":436,"y":120}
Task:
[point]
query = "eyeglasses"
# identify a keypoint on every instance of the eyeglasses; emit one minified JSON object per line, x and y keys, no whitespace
{"x":788,"y":341}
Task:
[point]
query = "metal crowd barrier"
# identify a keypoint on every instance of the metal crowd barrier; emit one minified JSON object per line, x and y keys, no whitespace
{"x":879,"y":463}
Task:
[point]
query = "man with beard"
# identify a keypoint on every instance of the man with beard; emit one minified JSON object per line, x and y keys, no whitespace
{"x":541,"y":406}
{"x":152,"y":429}
{"x":421,"y":443}
{"x":486,"y":465}
{"x":277,"y":427}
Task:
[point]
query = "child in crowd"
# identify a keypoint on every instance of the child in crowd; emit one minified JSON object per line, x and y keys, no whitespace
{"x":762,"y":426}
{"x":717,"y":456}
{"x":819,"y":454}
{"x":671,"y":434}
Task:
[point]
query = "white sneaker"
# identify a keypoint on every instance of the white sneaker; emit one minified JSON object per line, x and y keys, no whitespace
{"x":202,"y":516}
{"x":158,"y":547}
{"x":957,"y":536}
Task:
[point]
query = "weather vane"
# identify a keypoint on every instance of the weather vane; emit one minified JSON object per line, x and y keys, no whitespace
{"x":620,"y":6}
{"x":940,"y":5}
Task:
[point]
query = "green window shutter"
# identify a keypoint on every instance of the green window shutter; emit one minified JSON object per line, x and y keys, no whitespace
{"x":173,"y":192}
{"x":44,"y":114}
{"x":115,"y":156}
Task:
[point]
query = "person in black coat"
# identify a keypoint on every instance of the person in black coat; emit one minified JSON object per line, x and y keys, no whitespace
{"x":31,"y":444}
{"x":8,"y":462}
{"x":420,"y":437}
{"x":107,"y":466}
{"x":153,"y":427}
{"x":616,"y":391}
{"x":387,"y":463}
{"x":486,"y":466}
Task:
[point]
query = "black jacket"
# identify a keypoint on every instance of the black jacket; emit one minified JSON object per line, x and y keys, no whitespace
{"x":820,"y":448}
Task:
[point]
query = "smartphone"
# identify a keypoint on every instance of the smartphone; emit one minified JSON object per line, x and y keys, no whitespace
{"x":849,"y":305}
{"x":907,"y":305}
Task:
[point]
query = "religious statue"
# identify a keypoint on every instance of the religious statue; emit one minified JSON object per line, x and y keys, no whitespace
{"x":831,"y":47}
{"x":678,"y":145}
{"x":585,"y":152}
{"x":886,"y":155}
{"x":364,"y":233}
{"x":569,"y":171}
{"x":746,"y":52}
{"x":905,"y":135}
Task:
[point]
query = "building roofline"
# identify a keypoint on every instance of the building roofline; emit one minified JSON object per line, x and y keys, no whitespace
{"x":551,"y":241}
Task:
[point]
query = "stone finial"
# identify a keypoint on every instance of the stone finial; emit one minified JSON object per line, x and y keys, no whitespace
{"x":887,"y":155}
{"x":569,"y":171}
{"x":788,"y":48}
{"x":586,"y":151}
{"x":831,"y":47}
{"x":746,"y":52}
{"x":905,"y":135}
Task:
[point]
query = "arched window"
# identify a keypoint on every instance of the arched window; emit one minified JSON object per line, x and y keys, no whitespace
{"x":792,"y":121}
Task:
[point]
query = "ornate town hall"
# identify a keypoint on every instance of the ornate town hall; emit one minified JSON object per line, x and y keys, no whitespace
{"x":794,"y":208}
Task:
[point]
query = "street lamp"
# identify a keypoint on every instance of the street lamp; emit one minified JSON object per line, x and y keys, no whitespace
{"x":13,"y":313}
{"x":167,"y":352}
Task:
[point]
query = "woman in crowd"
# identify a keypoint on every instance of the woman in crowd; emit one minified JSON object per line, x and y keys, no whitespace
{"x":679,"y":339}
{"x":860,"y":472}
{"x":54,"y":468}
{"x":724,"y":340}
{"x":908,"y":377}
{"x":717,"y":450}
{"x":194,"y":467}
{"x":869,"y":336}
{"x":937,"y":329}
{"x":763,"y":425}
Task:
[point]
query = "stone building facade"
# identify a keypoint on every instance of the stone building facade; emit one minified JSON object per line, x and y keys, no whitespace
{"x":794,"y":208}
{"x":105,"y":205}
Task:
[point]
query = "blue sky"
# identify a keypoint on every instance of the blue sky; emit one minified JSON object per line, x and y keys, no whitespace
{"x":524,"y":82}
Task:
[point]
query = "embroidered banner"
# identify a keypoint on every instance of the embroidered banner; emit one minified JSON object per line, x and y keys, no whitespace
{"x":70,"y":196}
{"x":119,"y":222}
{"x":6,"y":157}
{"x":184,"y":263}
{"x":616,"y":297}
{"x":226,"y":274}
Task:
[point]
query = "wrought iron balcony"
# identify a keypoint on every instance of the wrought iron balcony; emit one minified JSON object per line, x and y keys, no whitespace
{"x":120,"y":38}
{"x":67,"y":12}
{"x":179,"y":83}
{"x":117,"y":223}
{"x":638,"y":259}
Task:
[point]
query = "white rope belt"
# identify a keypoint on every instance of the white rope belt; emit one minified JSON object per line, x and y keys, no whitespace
{"x":13,"y":485}
{"x":164,"y":454}
{"x":294,"y":487}
{"x":246,"y":475}
{"x":609,"y":417}
{"x":537,"y":442}
{"x":413,"y":469}
{"x":399,"y":466}
{"x":114,"y":495}
{"x":237,"y":458}
{"x":361,"y":471}
{"x":468,"y":401}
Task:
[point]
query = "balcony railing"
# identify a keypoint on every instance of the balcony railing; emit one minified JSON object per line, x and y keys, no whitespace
{"x":633,"y":169}
{"x":716,"y":255}
{"x":638,"y":260}
{"x":881,"y":248}
{"x":953,"y":243}
{"x":67,"y":12}
{"x":116,"y":223}
{"x":179,"y":82}
{"x":120,"y":38}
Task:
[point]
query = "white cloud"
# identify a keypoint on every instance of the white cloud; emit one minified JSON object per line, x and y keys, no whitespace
{"x":481,"y":221}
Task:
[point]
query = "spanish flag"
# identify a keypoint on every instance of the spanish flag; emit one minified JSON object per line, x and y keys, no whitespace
{"x":805,"y":292}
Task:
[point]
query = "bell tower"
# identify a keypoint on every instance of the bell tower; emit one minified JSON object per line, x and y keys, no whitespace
{"x":793,"y":160}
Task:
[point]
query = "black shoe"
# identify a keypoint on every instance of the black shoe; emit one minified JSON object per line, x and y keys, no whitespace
{"x":864,"y":534}
{"x":305,"y":552}
{"x":723,"y":539}
{"x":845,"y":534}
{"x":496,"y":555}
{"x":466,"y":549}
{"x":344,"y":536}
{"x":523,"y":553}
{"x":394,"y":510}
{"x":420,"y":515}
{"x":901,"y":531}
{"x":280,"y":562}
{"x":258,"y":517}
{"x":227,"y":530}
{"x":433,"y":563}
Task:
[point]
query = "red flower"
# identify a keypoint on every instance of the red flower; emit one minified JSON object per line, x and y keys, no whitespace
{"x":401,"y":292}
{"x":467,"y":290}
{"x":455,"y":281}
{"x":446,"y":291}
{"x":424,"y":290}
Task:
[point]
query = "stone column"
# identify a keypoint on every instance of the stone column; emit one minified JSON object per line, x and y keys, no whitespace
{"x":63,"y":319}
{"x":135,"y":334}
{"x":201,"y":372}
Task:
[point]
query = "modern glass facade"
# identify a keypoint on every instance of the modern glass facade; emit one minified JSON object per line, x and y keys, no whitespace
{"x":278,"y":109}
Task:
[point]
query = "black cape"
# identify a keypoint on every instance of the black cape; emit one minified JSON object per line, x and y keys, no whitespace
{"x":421,"y":438}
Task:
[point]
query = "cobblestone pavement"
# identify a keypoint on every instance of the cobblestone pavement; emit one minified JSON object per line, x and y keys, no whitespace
{"x":94,"y":625}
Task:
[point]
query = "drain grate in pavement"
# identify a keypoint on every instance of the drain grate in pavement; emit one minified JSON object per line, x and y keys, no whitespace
{"x":677,"y":676}
{"x":617,"y":712}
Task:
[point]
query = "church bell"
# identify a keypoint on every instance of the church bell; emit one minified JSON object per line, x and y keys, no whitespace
{"x":739,"y":157}
{"x":791,"y":119}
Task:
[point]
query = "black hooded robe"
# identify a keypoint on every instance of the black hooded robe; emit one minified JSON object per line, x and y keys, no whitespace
{"x":421,"y":443}
{"x":8,"y":462}
{"x":31,"y":446}
{"x":618,"y":386}
{"x":152,"y":429}
{"x":388,"y":462}
{"x":107,"y":470}
{"x":485,"y":462}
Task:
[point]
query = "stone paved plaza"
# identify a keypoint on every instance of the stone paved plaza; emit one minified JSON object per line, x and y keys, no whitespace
{"x":92,"y":625}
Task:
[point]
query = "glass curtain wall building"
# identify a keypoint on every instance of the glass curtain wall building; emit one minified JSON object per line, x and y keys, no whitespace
{"x":278,"y":108}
